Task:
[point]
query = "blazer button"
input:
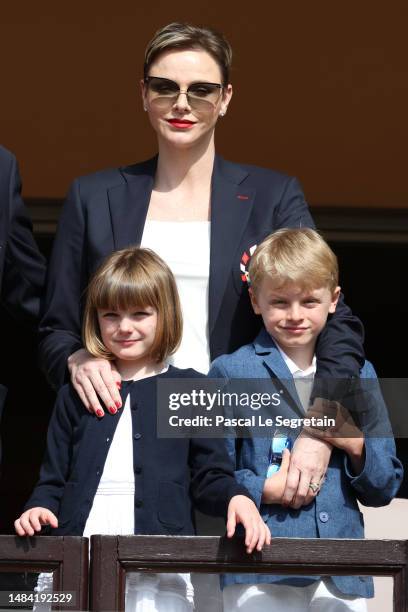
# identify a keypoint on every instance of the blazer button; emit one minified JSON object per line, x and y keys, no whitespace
{"x":138,"y":470}
{"x":138,"y":503}
{"x":324,"y":516}
{"x":137,"y":436}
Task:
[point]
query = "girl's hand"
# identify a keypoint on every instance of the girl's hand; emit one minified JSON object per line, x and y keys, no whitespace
{"x":32,"y":520}
{"x":274,"y":486}
{"x":93,"y":377}
{"x":242,"y":510}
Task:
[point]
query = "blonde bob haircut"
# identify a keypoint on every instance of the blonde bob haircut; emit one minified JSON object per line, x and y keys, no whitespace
{"x":294,"y":256}
{"x":129,"y":279}
{"x":185,"y":36}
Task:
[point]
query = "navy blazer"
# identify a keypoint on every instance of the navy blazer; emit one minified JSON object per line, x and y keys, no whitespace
{"x":22,"y":267}
{"x":107,"y":210}
{"x":334,"y":513}
{"x":170,"y":473}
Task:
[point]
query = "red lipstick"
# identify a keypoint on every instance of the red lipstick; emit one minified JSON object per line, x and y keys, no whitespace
{"x":182,"y":124}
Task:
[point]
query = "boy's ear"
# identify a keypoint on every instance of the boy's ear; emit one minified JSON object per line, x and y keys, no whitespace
{"x":253,"y":301}
{"x":334,"y":300}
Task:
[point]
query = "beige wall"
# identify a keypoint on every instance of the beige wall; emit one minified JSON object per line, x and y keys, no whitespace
{"x":321,"y":90}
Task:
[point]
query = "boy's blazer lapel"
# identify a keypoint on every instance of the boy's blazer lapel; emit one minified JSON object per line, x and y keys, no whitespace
{"x":267,"y":350}
{"x":231,"y":207}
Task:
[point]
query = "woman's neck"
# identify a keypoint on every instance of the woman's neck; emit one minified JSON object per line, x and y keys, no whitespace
{"x":184,"y":169}
{"x":136,"y":370}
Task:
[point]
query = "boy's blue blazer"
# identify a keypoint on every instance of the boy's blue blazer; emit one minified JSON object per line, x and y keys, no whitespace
{"x":106,"y":211}
{"x":334,"y":512}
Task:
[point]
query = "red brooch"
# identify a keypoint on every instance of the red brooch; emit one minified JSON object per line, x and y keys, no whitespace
{"x":245,"y":259}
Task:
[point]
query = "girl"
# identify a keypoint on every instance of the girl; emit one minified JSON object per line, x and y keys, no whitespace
{"x":115,"y":476}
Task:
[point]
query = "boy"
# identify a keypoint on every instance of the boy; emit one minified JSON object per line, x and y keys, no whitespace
{"x":293,"y":278}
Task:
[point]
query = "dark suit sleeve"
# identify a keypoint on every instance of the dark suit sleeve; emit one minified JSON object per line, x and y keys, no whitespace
{"x":24,"y":266}
{"x":382,"y":474}
{"x":212,"y":481}
{"x":58,"y":455}
{"x":60,"y":327}
{"x":339,"y":351}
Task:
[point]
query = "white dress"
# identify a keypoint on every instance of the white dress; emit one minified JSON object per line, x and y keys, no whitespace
{"x":112,"y":513}
{"x":185,"y":247}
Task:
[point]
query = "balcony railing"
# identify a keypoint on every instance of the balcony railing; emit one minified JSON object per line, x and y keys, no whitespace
{"x":112,"y":556}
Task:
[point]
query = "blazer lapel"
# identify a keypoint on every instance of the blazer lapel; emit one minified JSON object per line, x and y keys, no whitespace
{"x":272,"y":359}
{"x":128,"y":203}
{"x":231,"y":207}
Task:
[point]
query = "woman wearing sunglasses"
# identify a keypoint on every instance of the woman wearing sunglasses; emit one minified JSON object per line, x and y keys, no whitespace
{"x":203,"y":215}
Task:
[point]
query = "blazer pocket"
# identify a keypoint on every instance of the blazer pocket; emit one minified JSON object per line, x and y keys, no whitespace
{"x":173,"y":505}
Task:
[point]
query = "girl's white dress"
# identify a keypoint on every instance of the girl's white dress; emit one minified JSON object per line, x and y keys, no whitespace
{"x":112,"y":513}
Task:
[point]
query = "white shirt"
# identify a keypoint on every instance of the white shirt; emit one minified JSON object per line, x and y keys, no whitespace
{"x":303,"y":378}
{"x":185,"y":247}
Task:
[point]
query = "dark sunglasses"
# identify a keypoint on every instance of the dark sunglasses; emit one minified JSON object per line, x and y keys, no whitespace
{"x":200,"y":96}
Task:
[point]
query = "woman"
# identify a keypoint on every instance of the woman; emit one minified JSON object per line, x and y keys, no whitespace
{"x":168,"y":204}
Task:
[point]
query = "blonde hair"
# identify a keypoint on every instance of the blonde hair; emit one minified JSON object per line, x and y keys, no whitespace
{"x":294,"y":256}
{"x":127,"y":279}
{"x":185,"y":36}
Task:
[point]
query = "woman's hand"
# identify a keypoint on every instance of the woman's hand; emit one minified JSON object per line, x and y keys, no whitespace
{"x":308,"y":464}
{"x":95,"y":378}
{"x":274,"y":486}
{"x":32,"y":520}
{"x":344,"y":434}
{"x":242,"y":510}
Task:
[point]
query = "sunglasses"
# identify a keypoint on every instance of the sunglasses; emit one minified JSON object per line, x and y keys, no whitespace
{"x":200,"y":96}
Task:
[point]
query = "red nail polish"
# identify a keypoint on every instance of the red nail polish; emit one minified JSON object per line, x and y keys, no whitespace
{"x":119,"y":385}
{"x":112,"y":410}
{"x":99,"y":412}
{"x":118,"y":404}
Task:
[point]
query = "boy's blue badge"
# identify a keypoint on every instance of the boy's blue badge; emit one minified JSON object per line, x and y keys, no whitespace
{"x":280,"y":441}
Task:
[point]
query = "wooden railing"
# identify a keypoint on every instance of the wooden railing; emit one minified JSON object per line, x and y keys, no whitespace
{"x":113,"y":556}
{"x":66,"y":557}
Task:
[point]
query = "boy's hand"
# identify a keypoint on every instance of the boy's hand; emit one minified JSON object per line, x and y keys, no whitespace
{"x":242,"y":510}
{"x":32,"y":520}
{"x":274,"y":486}
{"x":308,"y":464}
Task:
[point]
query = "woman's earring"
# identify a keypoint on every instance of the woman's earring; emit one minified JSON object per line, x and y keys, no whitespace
{"x":222,"y":113}
{"x":145,"y":109}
